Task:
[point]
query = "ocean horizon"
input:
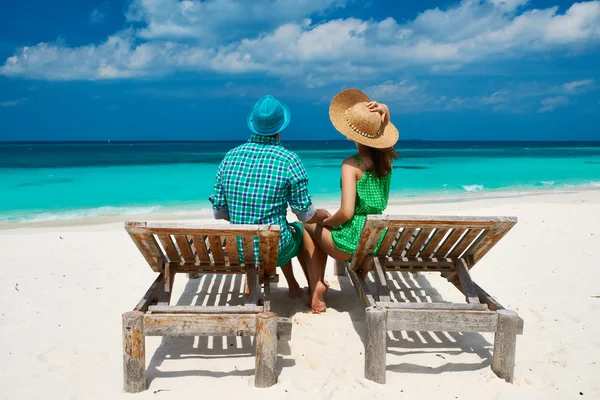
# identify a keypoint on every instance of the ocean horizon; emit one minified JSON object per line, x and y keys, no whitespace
{"x":41,"y":181}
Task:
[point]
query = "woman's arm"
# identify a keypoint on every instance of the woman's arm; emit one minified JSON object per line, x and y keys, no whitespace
{"x":346,"y":211}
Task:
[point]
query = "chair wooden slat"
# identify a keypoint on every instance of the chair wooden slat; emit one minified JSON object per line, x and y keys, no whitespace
{"x":268,"y":253}
{"x":185,"y":249}
{"x":433,"y":243}
{"x":465,"y":241}
{"x":248,"y":244}
{"x":216,"y":249}
{"x":390,"y":235}
{"x":407,"y":235}
{"x":449,"y":242}
{"x":169,"y":247}
{"x":491,"y":239}
{"x":149,"y":248}
{"x":232,"y":250}
{"x":418,"y":242}
{"x":201,"y":251}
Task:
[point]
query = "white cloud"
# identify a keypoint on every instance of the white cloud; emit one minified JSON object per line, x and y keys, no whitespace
{"x":551,"y":103}
{"x":574,"y":86}
{"x":97,"y":16}
{"x":274,"y":38}
{"x":13,"y":103}
{"x":496,"y":97}
{"x":213,"y":22}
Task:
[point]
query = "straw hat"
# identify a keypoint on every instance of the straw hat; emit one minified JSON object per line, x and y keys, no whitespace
{"x":350,"y":116}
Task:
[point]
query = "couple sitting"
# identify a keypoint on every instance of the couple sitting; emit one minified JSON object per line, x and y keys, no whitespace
{"x":257,"y":180}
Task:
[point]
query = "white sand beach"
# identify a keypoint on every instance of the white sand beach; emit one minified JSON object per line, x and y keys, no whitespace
{"x":63,"y":290}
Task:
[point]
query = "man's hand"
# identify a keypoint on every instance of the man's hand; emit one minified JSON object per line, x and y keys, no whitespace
{"x":319,"y":216}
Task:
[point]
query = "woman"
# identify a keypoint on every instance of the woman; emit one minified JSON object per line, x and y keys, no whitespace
{"x":365,"y":185}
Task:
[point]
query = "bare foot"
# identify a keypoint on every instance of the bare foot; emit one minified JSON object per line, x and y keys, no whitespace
{"x":295,"y":292}
{"x":318,"y":303}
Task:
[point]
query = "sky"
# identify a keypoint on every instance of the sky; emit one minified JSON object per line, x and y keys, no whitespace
{"x":191,"y":70}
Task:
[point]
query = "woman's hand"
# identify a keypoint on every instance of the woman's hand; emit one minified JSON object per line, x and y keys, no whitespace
{"x":381,"y":109}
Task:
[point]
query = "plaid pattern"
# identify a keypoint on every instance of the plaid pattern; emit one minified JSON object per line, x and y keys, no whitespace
{"x":257,"y":180}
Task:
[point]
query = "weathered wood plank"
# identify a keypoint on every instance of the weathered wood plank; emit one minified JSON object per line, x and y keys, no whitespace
{"x":149,"y":248}
{"x":441,"y":320}
{"x":375,"y":344}
{"x":167,"y":243}
{"x":252,"y":285}
{"x":433,"y":306}
{"x":407,"y":235}
{"x":367,"y":248}
{"x":383,"y":291}
{"x":491,"y":239}
{"x":361,"y":287}
{"x":164,"y":297}
{"x":505,"y":344}
{"x":200,"y":325}
{"x":433,"y":242}
{"x":134,"y":352}
{"x":248,"y":244}
{"x":184,"y":249}
{"x":418,"y":262}
{"x":265,"y":374}
{"x":386,"y":244}
{"x":232,"y":250}
{"x":465,"y":241}
{"x":418,"y":242}
{"x":449,"y":242}
{"x":152,"y":294}
{"x":201,"y":251}
{"x":434,"y":221}
{"x":249,"y":309}
{"x":202,"y":230}
{"x":466,"y":282}
{"x":491,"y":302}
{"x":210,"y":269}
{"x":216,"y":249}
{"x":268,"y":253}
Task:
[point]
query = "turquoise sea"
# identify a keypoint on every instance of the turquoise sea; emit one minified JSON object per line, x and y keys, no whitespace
{"x":48,"y":181}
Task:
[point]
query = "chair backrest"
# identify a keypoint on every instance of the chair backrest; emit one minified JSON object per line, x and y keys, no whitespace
{"x":428,"y":242}
{"x":204,"y":248}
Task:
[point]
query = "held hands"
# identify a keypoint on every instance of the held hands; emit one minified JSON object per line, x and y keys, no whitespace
{"x":322,"y":214}
{"x":381,"y":109}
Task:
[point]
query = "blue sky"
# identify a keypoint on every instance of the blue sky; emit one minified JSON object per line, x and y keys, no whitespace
{"x":191,"y":70}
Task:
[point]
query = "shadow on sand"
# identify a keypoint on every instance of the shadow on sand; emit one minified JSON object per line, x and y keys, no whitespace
{"x":214,"y":290}
{"x":409,"y":287}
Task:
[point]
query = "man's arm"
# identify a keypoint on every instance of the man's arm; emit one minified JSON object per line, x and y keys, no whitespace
{"x":299,"y":197}
{"x":218,"y":200}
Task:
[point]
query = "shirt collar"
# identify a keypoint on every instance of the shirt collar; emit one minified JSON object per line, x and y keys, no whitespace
{"x":264,"y":140}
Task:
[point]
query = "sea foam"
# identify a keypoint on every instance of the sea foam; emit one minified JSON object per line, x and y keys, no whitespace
{"x":472,"y":188}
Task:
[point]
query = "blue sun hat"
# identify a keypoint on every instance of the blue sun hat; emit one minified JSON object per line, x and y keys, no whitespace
{"x":269,"y":116}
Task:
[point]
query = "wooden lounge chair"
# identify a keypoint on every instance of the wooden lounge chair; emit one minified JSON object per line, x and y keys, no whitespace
{"x":199,"y":249}
{"x":450,"y":245}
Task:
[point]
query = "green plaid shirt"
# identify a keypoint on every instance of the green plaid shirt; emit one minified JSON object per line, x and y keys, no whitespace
{"x":255,"y":183}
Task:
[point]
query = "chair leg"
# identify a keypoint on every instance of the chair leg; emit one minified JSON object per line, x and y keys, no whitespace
{"x":340,"y":268}
{"x":375,"y":344}
{"x":505,"y":343}
{"x":265,"y":374}
{"x":134,"y":352}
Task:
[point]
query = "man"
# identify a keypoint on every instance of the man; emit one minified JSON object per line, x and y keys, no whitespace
{"x":257,"y":180}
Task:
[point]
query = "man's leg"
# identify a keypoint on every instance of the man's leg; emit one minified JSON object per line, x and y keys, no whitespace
{"x":288,"y":272}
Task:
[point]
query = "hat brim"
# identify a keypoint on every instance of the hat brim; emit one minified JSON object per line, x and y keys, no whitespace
{"x":337,"y":110}
{"x":287,"y":117}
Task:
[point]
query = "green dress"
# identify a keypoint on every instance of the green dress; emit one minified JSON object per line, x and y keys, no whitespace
{"x":372,"y":195}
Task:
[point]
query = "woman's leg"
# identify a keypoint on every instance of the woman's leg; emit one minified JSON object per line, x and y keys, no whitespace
{"x":314,"y":259}
{"x":321,"y":237}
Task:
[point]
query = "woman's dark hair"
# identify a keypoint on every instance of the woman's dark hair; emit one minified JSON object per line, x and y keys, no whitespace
{"x":382,"y":160}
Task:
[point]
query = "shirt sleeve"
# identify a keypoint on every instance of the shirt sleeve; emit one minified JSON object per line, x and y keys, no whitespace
{"x":298,"y":195}
{"x":218,"y":200}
